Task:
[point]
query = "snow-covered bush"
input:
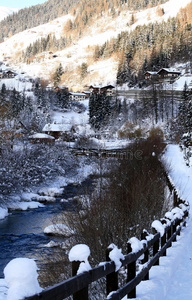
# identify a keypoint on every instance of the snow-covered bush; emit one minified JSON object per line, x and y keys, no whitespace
{"x":31,"y":166}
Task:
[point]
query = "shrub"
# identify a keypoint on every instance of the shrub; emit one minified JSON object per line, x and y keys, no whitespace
{"x":156,"y":133}
{"x":130,"y":131}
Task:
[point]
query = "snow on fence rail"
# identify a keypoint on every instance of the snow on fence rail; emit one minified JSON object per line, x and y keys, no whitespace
{"x":151,"y":247}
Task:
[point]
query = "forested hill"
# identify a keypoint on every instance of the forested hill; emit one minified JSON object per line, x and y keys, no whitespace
{"x":83,"y":11}
{"x":33,"y":16}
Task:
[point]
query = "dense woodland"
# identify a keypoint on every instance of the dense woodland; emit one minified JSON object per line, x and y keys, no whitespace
{"x":148,"y":47}
{"x":52,"y":9}
{"x":33,"y":16}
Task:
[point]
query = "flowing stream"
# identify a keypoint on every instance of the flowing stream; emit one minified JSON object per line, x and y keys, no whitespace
{"x":21,"y":233}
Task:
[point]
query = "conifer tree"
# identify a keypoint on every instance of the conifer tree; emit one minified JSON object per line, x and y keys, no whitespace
{"x":99,"y":110}
{"x":57,"y":75}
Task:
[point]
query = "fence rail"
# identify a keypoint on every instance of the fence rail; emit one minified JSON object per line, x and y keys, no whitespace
{"x":152,"y":249}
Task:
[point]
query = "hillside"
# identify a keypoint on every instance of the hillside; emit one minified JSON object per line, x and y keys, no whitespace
{"x":33,"y":16}
{"x":83,"y":11}
{"x":6,"y":11}
{"x":98,"y":47}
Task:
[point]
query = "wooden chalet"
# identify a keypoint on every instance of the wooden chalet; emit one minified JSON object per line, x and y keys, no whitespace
{"x":59,"y":130}
{"x":168,"y":73}
{"x":108,"y":89}
{"x":9,"y":74}
{"x":61,"y":89}
{"x":41,"y":138}
{"x":149,"y":75}
{"x":77,"y":96}
{"x":87,"y":93}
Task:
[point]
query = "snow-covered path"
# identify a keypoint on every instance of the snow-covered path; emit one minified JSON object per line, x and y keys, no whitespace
{"x":172,"y":279}
{"x":181,"y":282}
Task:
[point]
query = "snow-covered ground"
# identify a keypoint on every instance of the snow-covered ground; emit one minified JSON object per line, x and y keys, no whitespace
{"x":104,"y":71}
{"x":6,"y":11}
{"x":172,"y":278}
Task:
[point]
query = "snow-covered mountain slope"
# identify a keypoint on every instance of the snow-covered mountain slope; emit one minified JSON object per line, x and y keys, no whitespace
{"x":6,"y":11}
{"x":82,"y":49}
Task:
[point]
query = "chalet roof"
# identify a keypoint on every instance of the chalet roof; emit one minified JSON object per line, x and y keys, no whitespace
{"x":61,"y":87}
{"x":41,"y":136}
{"x":77,"y":94}
{"x":170,"y":70}
{"x":95,"y":86}
{"x":57,"y":127}
{"x":108,"y":86}
{"x":86,"y":92}
{"x":102,"y":86}
{"x":151,"y":72}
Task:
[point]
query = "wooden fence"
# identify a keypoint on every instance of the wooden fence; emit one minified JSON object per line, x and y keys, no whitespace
{"x":152,"y":248}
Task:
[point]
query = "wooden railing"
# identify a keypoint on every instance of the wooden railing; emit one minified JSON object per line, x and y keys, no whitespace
{"x":152,"y":249}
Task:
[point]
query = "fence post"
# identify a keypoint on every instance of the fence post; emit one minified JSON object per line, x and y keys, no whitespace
{"x":82,"y":294}
{"x":169,"y":233}
{"x":174,"y":229}
{"x":131,"y":273}
{"x":146,"y":254}
{"x":112,"y":278}
{"x":175,"y":198}
{"x":163,"y":238}
{"x":155,"y":248}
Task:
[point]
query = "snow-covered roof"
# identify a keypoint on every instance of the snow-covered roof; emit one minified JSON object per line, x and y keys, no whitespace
{"x":101,"y":86}
{"x":77,"y":94}
{"x":170,"y":70}
{"x":57,"y":127}
{"x":150,"y":72}
{"x":41,"y":136}
{"x":96,"y":86}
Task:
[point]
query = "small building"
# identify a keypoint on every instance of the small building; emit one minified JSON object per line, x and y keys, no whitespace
{"x":168,"y":73}
{"x":87,"y":93}
{"x":77,"y":96}
{"x":107,"y":89}
{"x":59,"y":130}
{"x":149,"y":75}
{"x":41,"y":138}
{"x":61,"y":89}
{"x":9,"y":74}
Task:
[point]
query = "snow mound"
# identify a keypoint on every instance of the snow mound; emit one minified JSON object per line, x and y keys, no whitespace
{"x":116,"y":255}
{"x":52,"y":192}
{"x":21,"y":278}
{"x":80,"y":253}
{"x":158,"y":226}
{"x":25,"y":205}
{"x":59,"y":229}
{"x":3,"y":213}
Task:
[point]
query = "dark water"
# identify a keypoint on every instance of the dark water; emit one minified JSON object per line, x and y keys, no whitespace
{"x":21,"y":233}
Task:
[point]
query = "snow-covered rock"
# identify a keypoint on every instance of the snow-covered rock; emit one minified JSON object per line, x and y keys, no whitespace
{"x":3,"y":213}
{"x":25,"y":205}
{"x":59,"y":229}
{"x":52,"y":192}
